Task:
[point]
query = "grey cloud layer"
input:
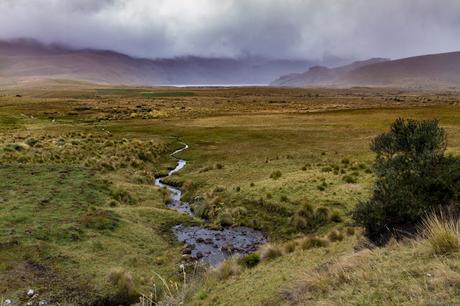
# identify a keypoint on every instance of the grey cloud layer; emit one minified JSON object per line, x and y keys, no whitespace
{"x":276,"y":28}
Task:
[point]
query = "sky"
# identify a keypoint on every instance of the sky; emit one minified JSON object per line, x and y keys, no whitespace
{"x":300,"y":29}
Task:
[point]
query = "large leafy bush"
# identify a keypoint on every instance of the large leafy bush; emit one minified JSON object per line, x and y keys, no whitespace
{"x":413,"y":177}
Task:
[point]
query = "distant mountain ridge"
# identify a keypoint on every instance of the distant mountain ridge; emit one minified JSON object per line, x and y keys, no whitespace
{"x":434,"y":70}
{"x":322,"y":76}
{"x":29,"y":60}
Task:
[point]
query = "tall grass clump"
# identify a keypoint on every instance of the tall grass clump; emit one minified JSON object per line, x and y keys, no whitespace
{"x":123,"y":282}
{"x":270,"y":251}
{"x":442,"y":234}
{"x":226,"y":269}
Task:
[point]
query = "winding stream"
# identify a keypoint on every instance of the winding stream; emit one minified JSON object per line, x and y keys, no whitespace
{"x":206,"y":245}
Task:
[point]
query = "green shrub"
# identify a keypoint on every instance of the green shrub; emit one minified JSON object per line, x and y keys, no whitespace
{"x":250,"y":260}
{"x":413,"y":178}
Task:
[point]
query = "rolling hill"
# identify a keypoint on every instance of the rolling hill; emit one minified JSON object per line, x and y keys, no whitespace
{"x":435,"y":70}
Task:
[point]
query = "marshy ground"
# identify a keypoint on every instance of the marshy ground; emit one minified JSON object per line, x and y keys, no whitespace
{"x":77,"y":161}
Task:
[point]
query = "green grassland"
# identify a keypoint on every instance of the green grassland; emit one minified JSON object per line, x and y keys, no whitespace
{"x":77,"y":200}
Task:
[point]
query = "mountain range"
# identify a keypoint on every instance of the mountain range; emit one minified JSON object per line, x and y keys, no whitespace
{"x":25,"y":60}
{"x":434,"y":70}
{"x":29,"y":60}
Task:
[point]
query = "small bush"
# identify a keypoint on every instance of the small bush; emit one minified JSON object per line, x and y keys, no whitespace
{"x":270,"y":251}
{"x":443,"y":234}
{"x":275,"y":175}
{"x":250,"y":260}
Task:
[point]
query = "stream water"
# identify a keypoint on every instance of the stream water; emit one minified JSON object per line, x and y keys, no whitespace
{"x":201,"y":243}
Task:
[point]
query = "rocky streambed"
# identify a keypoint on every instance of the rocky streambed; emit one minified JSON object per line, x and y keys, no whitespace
{"x":207,"y":245}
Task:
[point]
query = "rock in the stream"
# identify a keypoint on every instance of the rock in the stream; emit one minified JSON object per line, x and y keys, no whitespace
{"x":187,"y":250}
{"x":7,"y":302}
{"x":30,"y":293}
{"x":228,"y":248}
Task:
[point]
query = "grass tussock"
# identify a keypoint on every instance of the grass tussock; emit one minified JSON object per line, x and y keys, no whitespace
{"x":123,"y":283}
{"x":370,"y":277}
{"x":225,"y":270}
{"x":313,"y":242}
{"x":442,"y":234}
{"x":270,"y":251}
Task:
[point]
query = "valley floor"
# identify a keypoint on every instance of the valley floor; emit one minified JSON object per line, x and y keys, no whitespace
{"x":80,"y":219}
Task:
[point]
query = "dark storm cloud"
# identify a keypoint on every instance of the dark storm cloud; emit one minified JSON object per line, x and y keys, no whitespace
{"x":275,"y":28}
